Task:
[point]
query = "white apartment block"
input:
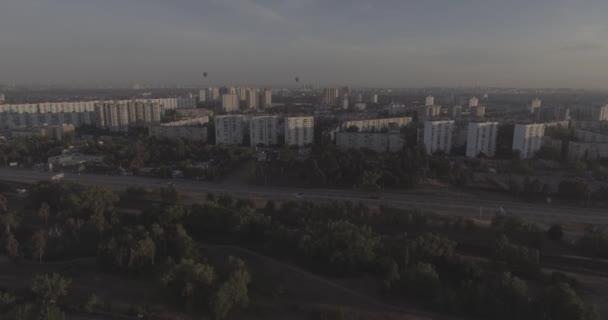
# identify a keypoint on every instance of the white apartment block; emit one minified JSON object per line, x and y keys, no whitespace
{"x":202,"y":95}
{"x":378,"y":142}
{"x":119,"y":115}
{"x":251,"y":99}
{"x":230,"y":102}
{"x":299,"y":131}
{"x":264,"y":130}
{"x":266,"y":98}
{"x":242,"y":93}
{"x":377,"y":124}
{"x":528,"y":139}
{"x":213,"y":94}
{"x":438,"y":136}
{"x":473,"y":102}
{"x":2,"y":99}
{"x":230,"y":129}
{"x":481,"y":138}
{"x":429,"y":101}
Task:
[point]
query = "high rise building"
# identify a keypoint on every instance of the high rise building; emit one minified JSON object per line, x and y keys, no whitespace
{"x":264,"y":130}
{"x":438,"y":136}
{"x":230,"y":102}
{"x":527,"y":139}
{"x":429,"y":101}
{"x":455,"y":112}
{"x":473,"y":102}
{"x":481,"y":138}
{"x":345,"y":92}
{"x":380,"y":124}
{"x":119,"y":115}
{"x":2,"y":98}
{"x":373,"y":98}
{"x":251,"y":99}
{"x":330,"y":96}
{"x":535,"y":105}
{"x":299,"y":131}
{"x":202,"y":95}
{"x":345,"y":103}
{"x":266,"y":98}
{"x":242,"y":92}
{"x":478,"y":111}
{"x":229,"y":129}
{"x":213,"y":94}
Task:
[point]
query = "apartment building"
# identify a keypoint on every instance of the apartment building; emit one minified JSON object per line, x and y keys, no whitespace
{"x":377,"y":124}
{"x":438,"y":136}
{"x":230,"y":129}
{"x":264,"y":130}
{"x":528,"y":139}
{"x":481,"y":139}
{"x":299,"y":131}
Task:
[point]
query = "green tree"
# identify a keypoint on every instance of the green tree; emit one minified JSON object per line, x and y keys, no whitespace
{"x":560,"y":302}
{"x":11,"y":245}
{"x":233,"y":292}
{"x":133,"y":250}
{"x":39,"y":240}
{"x":9,"y":220}
{"x":50,"y":288}
{"x":189,"y":282}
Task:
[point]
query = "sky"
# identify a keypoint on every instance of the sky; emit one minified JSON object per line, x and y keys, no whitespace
{"x":396,"y":43}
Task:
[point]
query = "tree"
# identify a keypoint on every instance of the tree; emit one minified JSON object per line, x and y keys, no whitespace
{"x":48,"y":289}
{"x":189,"y":282}
{"x":3,"y":204}
{"x":39,"y":244}
{"x":133,"y":250}
{"x":430,"y":248}
{"x":233,"y":292}
{"x":9,"y":220}
{"x":44,"y":212}
{"x":11,"y":245}
{"x":560,"y":302}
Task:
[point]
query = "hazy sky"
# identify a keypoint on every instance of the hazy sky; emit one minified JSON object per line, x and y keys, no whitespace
{"x":539,"y":43}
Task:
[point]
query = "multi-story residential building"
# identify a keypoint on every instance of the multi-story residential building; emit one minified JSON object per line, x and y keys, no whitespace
{"x":264,"y":130}
{"x":528,"y":139}
{"x":429,"y":101}
{"x":186,"y":132}
{"x":251,"y":99}
{"x":266,"y":98}
{"x":299,"y":131}
{"x":230,"y":129}
{"x":591,"y":136}
{"x":473,"y":102}
{"x":377,"y":124}
{"x":481,"y":139}
{"x":119,"y":115}
{"x":230,"y":102}
{"x":478,"y":111}
{"x":427,"y":112}
{"x":373,"y":98}
{"x":438,"y":136}
{"x":587,"y":150}
{"x":535,"y":105}
{"x":376,"y":141}
{"x":242,"y":93}
{"x":455,"y":112}
{"x":360,"y":106}
{"x":202,"y":95}
{"x":213,"y":94}
{"x":2,"y":98}
{"x":330,"y":96}
{"x":592,"y":113}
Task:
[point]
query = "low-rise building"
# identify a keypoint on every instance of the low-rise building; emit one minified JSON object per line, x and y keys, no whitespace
{"x":376,"y":141}
{"x":377,"y":124}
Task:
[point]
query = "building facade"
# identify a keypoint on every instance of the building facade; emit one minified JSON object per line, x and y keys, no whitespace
{"x":481,"y":139}
{"x":230,"y":129}
{"x":264,"y":130}
{"x":378,"y":142}
{"x":266,"y":98}
{"x":299,"y":131}
{"x":251,"y":99}
{"x":528,"y":139}
{"x":438,"y":136}
{"x":377,"y":124}
{"x":230,"y":102}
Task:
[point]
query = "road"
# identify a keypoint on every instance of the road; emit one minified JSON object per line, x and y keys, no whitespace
{"x":460,"y":205}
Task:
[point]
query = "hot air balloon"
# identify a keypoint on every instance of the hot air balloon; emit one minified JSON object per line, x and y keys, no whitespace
{"x":205,"y":74}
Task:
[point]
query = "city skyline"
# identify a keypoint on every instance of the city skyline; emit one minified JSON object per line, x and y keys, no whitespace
{"x":360,"y":43}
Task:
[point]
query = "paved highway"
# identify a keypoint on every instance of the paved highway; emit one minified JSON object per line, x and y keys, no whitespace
{"x":462,"y":205}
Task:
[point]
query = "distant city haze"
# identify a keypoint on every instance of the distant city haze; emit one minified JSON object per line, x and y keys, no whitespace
{"x":515,"y":43}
